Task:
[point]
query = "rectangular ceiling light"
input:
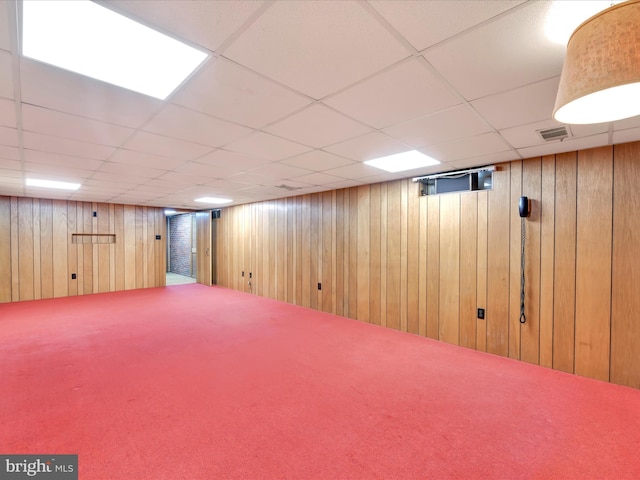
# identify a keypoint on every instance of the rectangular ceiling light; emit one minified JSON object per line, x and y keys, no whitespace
{"x":400,"y":162}
{"x":213,"y":200}
{"x":32,"y":182}
{"x":86,"y":38}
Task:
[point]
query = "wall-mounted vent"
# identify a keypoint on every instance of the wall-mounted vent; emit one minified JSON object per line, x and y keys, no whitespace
{"x":458,"y":181}
{"x":288,"y":188}
{"x":555,"y":133}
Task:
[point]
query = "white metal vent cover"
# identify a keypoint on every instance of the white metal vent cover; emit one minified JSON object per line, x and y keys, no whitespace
{"x":555,"y":133}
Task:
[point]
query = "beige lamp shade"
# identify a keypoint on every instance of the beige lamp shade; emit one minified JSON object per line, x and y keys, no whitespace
{"x":600,"y":79}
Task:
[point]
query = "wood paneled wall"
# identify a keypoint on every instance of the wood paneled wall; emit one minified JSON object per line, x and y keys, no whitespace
{"x":387,"y":256}
{"x":38,"y":257}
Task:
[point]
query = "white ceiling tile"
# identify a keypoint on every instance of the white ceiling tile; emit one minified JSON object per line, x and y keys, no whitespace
{"x":278,"y":171}
{"x":165,"y":146}
{"x":11,"y":153}
{"x":467,"y":147}
{"x":427,"y":23}
{"x":406,"y":91}
{"x":268,"y":147}
{"x":64,"y":146}
{"x":344,"y":184}
{"x":8,"y":113}
{"x":231,"y":92}
{"x":568,"y":145}
{"x":317,"y":126}
{"x":9,"y":137}
{"x":520,"y":106}
{"x":147,"y":160}
{"x":202,"y":22}
{"x":370,"y":146}
{"x":317,"y":160}
{"x":624,"y":136}
{"x":51,"y":122}
{"x":228,"y":186}
{"x":199,"y":169}
{"x":185,"y":124}
{"x":123,"y":169}
{"x":283,"y":45}
{"x":49,"y":158}
{"x":185,"y":179}
{"x":6,"y":73}
{"x":506,"y":53}
{"x":115,"y":179}
{"x":318,"y":179}
{"x":457,"y":122}
{"x":57,"y":172}
{"x":484,"y":160}
{"x":354,"y":172}
{"x":229,"y":163}
{"x":631,"y":122}
{"x":9,"y":164}
{"x":5,"y":43}
{"x":83,"y":96}
{"x":526,"y":135}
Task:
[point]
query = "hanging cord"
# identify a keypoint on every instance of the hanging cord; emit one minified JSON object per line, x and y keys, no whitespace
{"x":523,"y":235}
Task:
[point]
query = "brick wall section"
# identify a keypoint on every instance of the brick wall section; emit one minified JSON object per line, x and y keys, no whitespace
{"x":180,"y":246}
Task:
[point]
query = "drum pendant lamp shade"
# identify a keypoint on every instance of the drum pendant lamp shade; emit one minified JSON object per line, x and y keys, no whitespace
{"x":600,"y":79}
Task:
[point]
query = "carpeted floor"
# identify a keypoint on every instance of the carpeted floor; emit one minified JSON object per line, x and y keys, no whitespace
{"x":191,"y":382}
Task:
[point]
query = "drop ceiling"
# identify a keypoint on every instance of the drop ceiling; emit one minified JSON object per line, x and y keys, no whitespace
{"x":294,"y":97}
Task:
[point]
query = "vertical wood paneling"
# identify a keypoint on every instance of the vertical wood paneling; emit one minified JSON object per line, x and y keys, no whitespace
{"x":394,"y":211}
{"x":497,"y":313}
{"x":104,"y":252}
{"x":5,"y":249}
{"x":449,"y":278}
{"x":315,"y":249}
{"x":60,"y":265}
{"x":468,"y":268}
{"x":15,"y":250}
{"x":46,"y":248}
{"x":353,"y":252}
{"x":530,"y":331}
{"x":565,"y":264}
{"x":328,"y":253}
{"x":364,"y":231}
{"x":433,"y":266}
{"x":625,"y":327}
{"x":515,"y":245}
{"x":290,"y":249}
{"x":413,"y":258}
{"x":25,"y":247}
{"x":87,"y":250}
{"x":72,"y":249}
{"x":374,"y":247}
{"x":423,"y":249}
{"x":130,"y":239}
{"x":384,"y":209}
{"x":403,"y":256}
{"x":281,"y":260}
{"x":119,"y":247}
{"x":593,"y":262}
{"x":481,"y":324}
{"x":37,"y":284}
{"x":339,"y":265}
{"x":547,"y":248}
{"x":139,"y":247}
{"x":41,"y":257}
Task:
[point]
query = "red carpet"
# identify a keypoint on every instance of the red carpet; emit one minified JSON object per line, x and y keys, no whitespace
{"x":190,"y":382}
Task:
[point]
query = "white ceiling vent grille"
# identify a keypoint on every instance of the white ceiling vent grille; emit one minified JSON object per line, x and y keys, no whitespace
{"x":289,"y":188}
{"x":555,"y":133}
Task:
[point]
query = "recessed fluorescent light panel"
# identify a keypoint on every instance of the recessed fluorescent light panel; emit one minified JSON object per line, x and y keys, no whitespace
{"x":86,"y":38}
{"x":170,"y":212}
{"x":32,"y":182}
{"x":400,"y":162}
{"x":213,"y":200}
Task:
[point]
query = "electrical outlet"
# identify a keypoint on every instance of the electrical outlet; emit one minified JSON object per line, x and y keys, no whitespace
{"x":73,"y":276}
{"x":243,"y":273}
{"x":319,"y":286}
{"x":481,"y":313}
{"x":95,"y":214}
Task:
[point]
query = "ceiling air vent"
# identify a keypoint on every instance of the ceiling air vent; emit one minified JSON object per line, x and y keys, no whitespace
{"x":289,"y":188}
{"x":555,"y":133}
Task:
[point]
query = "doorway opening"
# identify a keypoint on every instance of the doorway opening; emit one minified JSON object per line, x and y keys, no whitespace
{"x":181,"y":249}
